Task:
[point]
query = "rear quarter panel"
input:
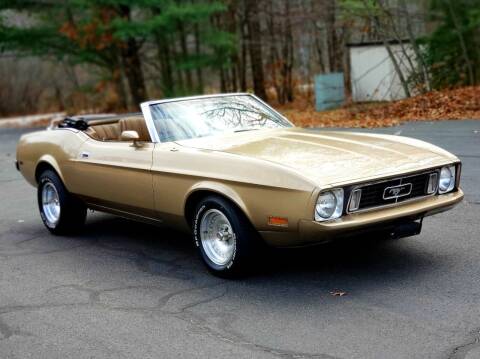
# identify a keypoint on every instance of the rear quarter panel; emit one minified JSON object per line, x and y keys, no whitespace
{"x":56,"y":147}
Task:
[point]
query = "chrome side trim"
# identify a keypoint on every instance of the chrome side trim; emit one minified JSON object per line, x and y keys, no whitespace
{"x":269,"y":107}
{"x":123,"y":214}
{"x":175,"y":99}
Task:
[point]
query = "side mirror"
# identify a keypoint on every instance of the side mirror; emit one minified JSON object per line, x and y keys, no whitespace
{"x":131,"y":136}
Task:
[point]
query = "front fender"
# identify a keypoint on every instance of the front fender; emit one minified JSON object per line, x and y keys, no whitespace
{"x":221,"y":189}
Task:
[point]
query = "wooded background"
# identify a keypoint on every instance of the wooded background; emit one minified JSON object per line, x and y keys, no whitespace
{"x":110,"y":55}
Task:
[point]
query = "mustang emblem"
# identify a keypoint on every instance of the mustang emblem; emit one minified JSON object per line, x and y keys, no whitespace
{"x":397,"y":191}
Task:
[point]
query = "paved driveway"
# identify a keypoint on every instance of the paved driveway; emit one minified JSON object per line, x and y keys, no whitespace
{"x":129,"y":290}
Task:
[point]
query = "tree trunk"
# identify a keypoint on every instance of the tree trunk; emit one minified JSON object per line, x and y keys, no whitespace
{"x":242,"y":63}
{"x":287,"y":66}
{"x":233,"y":73}
{"x":118,"y":83}
{"x":398,"y":70}
{"x":273,"y":59}
{"x":255,"y":49}
{"x":394,"y":33}
{"x":129,"y":51}
{"x":184,"y":48}
{"x":458,"y":31}
{"x":133,"y":71}
{"x":179,"y":81}
{"x":197,"y":52}
{"x":164,"y":57}
{"x":332,"y":41}
{"x":318,"y":48}
{"x":392,"y":57}
{"x":223,"y":85}
{"x":347,"y":76}
{"x":121,"y":83}
{"x":416,"y":48}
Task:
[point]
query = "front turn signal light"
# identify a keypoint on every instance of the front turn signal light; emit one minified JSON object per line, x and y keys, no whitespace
{"x":278,"y":221}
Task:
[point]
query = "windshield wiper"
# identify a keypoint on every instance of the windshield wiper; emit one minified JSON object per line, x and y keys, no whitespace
{"x":246,"y":129}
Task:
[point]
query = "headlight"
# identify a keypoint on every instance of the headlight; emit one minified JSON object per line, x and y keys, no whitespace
{"x":447,"y":179}
{"x":329,"y":205}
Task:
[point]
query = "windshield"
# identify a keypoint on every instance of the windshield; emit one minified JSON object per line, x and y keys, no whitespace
{"x":207,"y":116}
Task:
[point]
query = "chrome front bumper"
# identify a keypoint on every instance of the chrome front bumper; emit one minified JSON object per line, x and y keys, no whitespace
{"x":312,"y":232}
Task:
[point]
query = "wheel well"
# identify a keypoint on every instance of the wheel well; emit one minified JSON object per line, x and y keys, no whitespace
{"x":41,"y":167}
{"x":197,"y":196}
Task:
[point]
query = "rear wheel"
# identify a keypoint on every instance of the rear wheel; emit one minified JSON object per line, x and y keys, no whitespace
{"x":227,"y":243}
{"x":60,"y":211}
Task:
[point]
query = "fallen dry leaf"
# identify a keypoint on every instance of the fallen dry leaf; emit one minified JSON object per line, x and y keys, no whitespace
{"x":453,"y":104}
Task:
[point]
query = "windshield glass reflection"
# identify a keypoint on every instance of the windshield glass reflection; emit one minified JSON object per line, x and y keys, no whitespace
{"x":208,"y":116}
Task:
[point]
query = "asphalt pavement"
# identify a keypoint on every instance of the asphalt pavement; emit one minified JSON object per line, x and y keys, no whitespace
{"x":123,"y":289}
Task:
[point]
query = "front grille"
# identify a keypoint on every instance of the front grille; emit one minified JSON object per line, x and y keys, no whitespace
{"x":391,"y":191}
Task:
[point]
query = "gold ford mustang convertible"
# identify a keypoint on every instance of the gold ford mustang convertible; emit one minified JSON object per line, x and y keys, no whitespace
{"x":235,"y":173}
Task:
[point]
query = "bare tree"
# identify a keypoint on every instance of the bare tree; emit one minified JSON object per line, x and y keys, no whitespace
{"x":255,"y":47}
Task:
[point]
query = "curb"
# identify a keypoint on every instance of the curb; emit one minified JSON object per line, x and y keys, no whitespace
{"x":41,"y":120}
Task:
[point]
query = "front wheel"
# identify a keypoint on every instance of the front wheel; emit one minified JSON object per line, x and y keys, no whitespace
{"x":226,"y":241}
{"x":60,"y":211}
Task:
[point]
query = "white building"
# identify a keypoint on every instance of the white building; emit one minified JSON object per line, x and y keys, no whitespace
{"x":373,"y":75}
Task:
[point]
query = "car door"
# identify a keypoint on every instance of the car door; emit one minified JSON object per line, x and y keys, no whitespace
{"x":116,"y":175}
{"x":171,"y":180}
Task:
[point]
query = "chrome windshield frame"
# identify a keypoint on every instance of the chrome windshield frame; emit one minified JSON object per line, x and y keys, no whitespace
{"x":147,"y":114}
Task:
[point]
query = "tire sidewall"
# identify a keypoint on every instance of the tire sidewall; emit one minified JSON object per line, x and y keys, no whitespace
{"x":228,"y":211}
{"x":49,"y":177}
{"x":73,"y":212}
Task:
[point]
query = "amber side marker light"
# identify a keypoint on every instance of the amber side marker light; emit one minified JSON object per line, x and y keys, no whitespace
{"x":278,"y":221}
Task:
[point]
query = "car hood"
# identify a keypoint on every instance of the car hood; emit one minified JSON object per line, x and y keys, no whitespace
{"x":328,"y":157}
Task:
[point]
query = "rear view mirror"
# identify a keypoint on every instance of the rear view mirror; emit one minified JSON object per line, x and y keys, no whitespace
{"x":131,"y":136}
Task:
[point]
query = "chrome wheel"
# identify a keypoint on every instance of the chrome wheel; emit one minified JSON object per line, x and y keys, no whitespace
{"x":50,"y":203}
{"x":217,"y":237}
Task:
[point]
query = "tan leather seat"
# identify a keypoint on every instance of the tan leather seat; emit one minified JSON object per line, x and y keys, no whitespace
{"x":107,"y":132}
{"x":135,"y":124}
